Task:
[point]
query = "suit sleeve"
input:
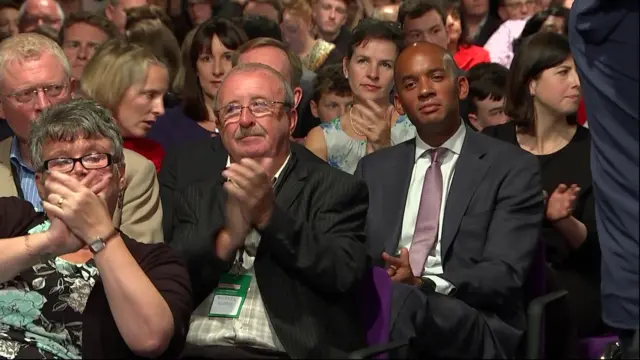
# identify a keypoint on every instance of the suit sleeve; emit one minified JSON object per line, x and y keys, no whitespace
{"x":194,"y":239}
{"x":328,"y":248}
{"x":512,"y":236}
{"x":168,"y":183}
{"x":141,"y":207}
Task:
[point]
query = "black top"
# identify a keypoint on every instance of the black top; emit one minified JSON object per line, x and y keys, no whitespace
{"x":90,"y":316}
{"x":569,"y":165}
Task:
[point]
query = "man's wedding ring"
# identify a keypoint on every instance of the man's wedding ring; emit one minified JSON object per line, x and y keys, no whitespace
{"x":60,"y":202}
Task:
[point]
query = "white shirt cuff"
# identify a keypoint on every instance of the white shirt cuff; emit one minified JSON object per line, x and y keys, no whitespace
{"x":442,"y":285}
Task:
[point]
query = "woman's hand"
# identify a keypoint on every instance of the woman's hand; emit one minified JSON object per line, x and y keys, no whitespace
{"x":79,"y":204}
{"x":559,"y":205}
{"x":60,"y":240}
{"x":374,"y":122}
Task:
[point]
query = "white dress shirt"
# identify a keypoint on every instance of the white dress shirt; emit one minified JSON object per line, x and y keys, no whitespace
{"x":433,"y":265}
{"x":252,"y":327}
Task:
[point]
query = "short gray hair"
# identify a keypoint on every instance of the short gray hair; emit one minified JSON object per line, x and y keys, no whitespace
{"x":76,"y":119}
{"x":30,"y":46}
{"x":288,"y":101}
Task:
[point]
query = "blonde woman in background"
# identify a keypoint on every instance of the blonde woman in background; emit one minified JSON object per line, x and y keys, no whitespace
{"x":130,"y":81}
{"x":155,"y":36}
{"x":297,"y":34}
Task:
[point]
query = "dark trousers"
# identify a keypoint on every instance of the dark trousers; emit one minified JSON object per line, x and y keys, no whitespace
{"x":229,"y":352}
{"x":441,"y":326}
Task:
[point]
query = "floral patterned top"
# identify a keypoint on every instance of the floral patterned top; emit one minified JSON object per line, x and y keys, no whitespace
{"x":344,"y":152}
{"x":41,"y":309}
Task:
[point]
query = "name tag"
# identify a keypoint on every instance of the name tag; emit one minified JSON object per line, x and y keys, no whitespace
{"x":229,"y":296}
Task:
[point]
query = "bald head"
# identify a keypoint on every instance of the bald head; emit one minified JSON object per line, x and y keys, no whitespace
{"x":428,"y":88}
{"x":40,"y":13}
{"x":424,"y":48}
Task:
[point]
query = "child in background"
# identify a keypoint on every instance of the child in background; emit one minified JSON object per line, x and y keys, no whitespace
{"x":331,"y":93}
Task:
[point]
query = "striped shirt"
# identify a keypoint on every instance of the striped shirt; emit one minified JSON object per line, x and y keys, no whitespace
{"x":26,"y":176}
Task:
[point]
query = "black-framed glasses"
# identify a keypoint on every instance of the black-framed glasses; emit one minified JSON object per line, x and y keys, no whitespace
{"x":89,"y":162}
{"x":28,"y":95}
{"x":257,"y":108}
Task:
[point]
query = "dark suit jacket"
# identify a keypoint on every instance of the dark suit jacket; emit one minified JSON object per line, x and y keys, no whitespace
{"x":310,"y":257}
{"x":491,"y":223}
{"x":185,"y":165}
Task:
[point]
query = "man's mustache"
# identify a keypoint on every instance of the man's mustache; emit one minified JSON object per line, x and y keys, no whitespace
{"x":255,"y":130}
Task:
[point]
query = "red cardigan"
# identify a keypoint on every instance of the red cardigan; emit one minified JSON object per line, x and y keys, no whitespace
{"x":147,"y":148}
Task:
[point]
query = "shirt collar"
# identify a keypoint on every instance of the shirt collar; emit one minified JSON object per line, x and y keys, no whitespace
{"x":453,"y":144}
{"x":15,"y":156}
{"x":275,"y":178}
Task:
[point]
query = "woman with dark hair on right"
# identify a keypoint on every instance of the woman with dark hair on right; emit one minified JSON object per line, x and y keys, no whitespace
{"x":543,"y":93}
{"x":209,"y":60}
{"x":554,"y":19}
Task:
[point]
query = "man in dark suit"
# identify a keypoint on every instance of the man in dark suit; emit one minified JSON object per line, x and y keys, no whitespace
{"x":454,"y":214}
{"x":293,"y":230}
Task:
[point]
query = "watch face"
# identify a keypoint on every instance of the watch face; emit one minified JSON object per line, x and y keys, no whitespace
{"x":96,"y":246}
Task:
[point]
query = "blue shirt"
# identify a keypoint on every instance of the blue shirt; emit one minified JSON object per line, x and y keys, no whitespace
{"x":26,"y":176}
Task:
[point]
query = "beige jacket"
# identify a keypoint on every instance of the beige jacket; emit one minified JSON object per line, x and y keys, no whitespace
{"x":140,"y":216}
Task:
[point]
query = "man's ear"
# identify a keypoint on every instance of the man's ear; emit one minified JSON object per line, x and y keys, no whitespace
{"x":463,"y":87}
{"x":503,"y":14}
{"x":108,"y":12}
{"x":293,"y":120}
{"x":473,"y":120}
{"x":314,"y":109}
{"x":297,"y":96}
{"x":397,"y":104}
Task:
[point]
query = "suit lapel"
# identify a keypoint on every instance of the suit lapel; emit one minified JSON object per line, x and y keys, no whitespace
{"x":290,"y":183}
{"x":469,"y":172}
{"x":7,"y":184}
{"x":397,"y":192}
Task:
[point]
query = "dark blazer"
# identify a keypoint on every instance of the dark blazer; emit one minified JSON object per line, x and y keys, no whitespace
{"x":185,"y":165}
{"x":310,"y":255}
{"x":491,"y":223}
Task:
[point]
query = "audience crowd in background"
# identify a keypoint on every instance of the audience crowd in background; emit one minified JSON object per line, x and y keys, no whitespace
{"x":223,"y":178}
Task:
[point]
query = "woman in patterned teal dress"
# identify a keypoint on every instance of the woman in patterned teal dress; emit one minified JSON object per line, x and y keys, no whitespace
{"x":372,"y":123}
{"x":72,"y":286}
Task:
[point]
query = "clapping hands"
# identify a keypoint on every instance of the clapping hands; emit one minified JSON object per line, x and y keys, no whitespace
{"x":560,"y":204}
{"x":372,"y":121}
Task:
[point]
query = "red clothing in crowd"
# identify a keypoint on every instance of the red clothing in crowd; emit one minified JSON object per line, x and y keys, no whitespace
{"x":469,"y":55}
{"x":147,"y":148}
{"x":581,"y":116}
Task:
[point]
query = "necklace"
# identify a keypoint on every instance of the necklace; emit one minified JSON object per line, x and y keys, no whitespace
{"x":352,"y":125}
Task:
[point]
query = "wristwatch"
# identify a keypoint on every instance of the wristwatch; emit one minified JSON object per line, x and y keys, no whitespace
{"x":99,"y":243}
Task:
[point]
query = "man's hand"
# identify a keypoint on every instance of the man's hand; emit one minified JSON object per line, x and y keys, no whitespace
{"x":561,"y":202}
{"x":252,"y":188}
{"x":399,"y":268}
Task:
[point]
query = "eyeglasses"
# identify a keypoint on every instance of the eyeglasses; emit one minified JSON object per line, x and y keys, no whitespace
{"x":257,"y":108}
{"x":89,"y":162}
{"x":48,"y":20}
{"x":28,"y":95}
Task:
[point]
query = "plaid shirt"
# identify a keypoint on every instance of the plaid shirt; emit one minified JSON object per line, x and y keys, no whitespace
{"x":252,"y":327}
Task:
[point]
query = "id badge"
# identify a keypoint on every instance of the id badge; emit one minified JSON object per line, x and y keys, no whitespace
{"x":229,"y":296}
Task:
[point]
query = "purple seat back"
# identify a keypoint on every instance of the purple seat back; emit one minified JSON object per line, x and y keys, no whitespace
{"x":594,"y":347}
{"x":375,"y":306}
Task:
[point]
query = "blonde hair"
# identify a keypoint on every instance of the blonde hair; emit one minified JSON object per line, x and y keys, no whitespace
{"x":30,"y":46}
{"x":155,"y":36}
{"x":115,"y":67}
{"x":300,"y":8}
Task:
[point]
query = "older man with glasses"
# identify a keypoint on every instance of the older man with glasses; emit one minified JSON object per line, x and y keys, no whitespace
{"x":34,"y":75}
